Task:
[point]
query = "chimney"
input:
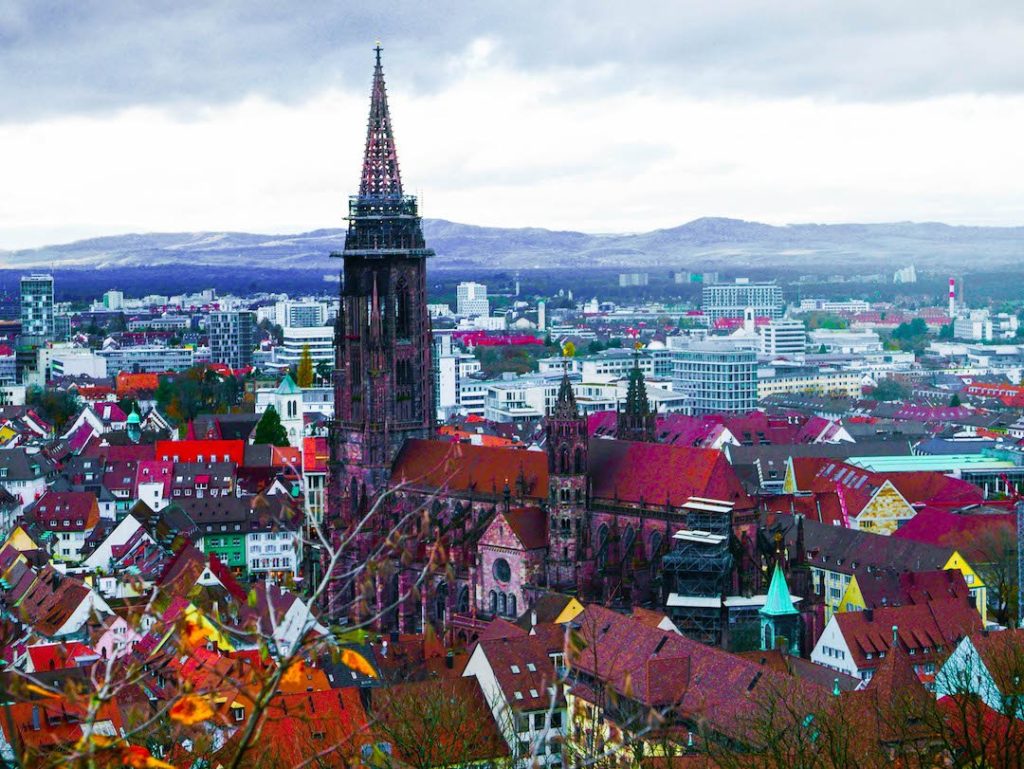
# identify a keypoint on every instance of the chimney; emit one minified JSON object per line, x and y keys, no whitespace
{"x":895,"y":635}
{"x":869,"y":615}
{"x":394,"y":636}
{"x":449,"y":660}
{"x":35,"y":718}
{"x":952,"y":299}
{"x":533,"y":618}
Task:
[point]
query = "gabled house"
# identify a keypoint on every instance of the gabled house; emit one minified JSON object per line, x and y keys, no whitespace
{"x":520,"y":678}
{"x":65,"y":519}
{"x":25,"y":475}
{"x":857,"y":642}
{"x":988,"y":665}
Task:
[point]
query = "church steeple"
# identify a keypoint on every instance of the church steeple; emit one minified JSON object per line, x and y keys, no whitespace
{"x":636,"y":421}
{"x":382,"y":381}
{"x":381,"y":177}
{"x":565,"y":405}
{"x":566,"y":438}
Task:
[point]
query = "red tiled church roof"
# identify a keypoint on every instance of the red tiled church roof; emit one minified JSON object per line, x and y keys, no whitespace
{"x":655,"y":473}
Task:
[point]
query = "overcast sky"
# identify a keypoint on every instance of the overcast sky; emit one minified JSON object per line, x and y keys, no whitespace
{"x":168,"y":115}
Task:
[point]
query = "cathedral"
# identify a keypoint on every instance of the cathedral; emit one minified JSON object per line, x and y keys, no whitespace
{"x":469,"y":533}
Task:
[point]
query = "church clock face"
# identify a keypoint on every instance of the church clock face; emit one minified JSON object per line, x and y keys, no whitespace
{"x":501,"y":570}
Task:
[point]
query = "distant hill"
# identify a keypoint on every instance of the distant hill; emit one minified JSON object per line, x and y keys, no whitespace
{"x":708,"y":243}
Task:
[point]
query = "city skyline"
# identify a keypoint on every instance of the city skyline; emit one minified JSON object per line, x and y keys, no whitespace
{"x":661,"y":116}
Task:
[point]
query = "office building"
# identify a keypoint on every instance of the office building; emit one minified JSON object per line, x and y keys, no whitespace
{"x":729,"y":300}
{"x":471,"y":299}
{"x":810,"y":380}
{"x":783,"y":339}
{"x":630,"y":279}
{"x":452,"y":367}
{"x":113,"y":300}
{"x":319,"y":339}
{"x":36,"y":308}
{"x":8,"y":366}
{"x":716,"y":378}
{"x":232,"y":337}
{"x":147,"y":359}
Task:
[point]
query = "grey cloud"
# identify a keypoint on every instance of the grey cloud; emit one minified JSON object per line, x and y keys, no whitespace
{"x":73,"y":56}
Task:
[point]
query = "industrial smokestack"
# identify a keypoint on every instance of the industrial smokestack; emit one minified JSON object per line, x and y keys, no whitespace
{"x":952,"y":298}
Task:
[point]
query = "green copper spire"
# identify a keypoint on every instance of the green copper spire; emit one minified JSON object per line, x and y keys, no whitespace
{"x":778,"y":603}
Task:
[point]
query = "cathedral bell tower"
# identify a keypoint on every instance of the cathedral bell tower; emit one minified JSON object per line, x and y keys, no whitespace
{"x":566,"y":439}
{"x":382,"y":378}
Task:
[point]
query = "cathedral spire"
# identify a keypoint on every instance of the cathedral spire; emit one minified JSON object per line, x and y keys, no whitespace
{"x":636,"y":420}
{"x":381,"y":177}
{"x":565,"y":404}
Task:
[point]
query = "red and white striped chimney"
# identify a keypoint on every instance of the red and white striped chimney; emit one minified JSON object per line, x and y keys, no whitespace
{"x":952,"y":298}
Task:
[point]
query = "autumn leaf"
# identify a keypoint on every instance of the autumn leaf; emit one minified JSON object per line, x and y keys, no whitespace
{"x":190,"y":710}
{"x":40,"y":691}
{"x":293,"y":675}
{"x":357,"y":662}
{"x":195,"y":635}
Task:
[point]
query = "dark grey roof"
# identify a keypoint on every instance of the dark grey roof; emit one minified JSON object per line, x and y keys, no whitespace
{"x":22,"y":466}
{"x":849,"y":551}
{"x":944,"y":446}
{"x":778,"y":453}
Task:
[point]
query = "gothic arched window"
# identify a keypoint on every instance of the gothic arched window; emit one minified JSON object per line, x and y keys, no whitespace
{"x":463,"y":603}
{"x":512,"y":606}
{"x":493,"y":602}
{"x":579,"y":460}
{"x":565,"y":461}
{"x":627,"y":544}
{"x":602,"y":545}
{"x":402,"y":319}
{"x":655,"y":556}
{"x":501,"y":603}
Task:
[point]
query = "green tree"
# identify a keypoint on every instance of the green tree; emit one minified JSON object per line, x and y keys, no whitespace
{"x":304,"y":373}
{"x":56,"y":406}
{"x":954,"y":401}
{"x":270,"y":430}
{"x":946,"y":332}
{"x":323,"y":371}
{"x":890,"y":390}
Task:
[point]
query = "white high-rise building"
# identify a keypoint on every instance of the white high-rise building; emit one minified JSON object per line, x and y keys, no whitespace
{"x":730,"y":300}
{"x":37,"y":308}
{"x":716,"y":377}
{"x":471,"y":299}
{"x":784,"y":338}
{"x":452,"y":367}
{"x":113,"y":300}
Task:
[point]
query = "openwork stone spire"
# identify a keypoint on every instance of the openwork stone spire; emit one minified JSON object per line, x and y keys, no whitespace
{"x":381,"y":177}
{"x":636,"y":421}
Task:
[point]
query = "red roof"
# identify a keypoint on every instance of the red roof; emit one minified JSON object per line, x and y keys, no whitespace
{"x":463,"y":467}
{"x":930,"y":629}
{"x":209,"y":450}
{"x":656,"y":473}
{"x":961,"y":531}
{"x":57,"y":656}
{"x":109,"y":412}
{"x":315,"y":454}
{"x":523,"y":668}
{"x":530,"y":525}
{"x":67,"y":511}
